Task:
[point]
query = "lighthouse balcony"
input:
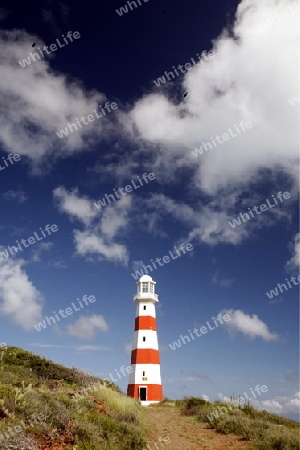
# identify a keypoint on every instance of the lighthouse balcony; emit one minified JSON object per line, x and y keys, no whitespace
{"x":145,"y":296}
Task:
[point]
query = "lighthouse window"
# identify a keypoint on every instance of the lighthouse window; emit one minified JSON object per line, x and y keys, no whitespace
{"x":144,"y":339}
{"x":144,"y":373}
{"x":144,"y":308}
{"x":145,"y":287}
{"x":151,"y":288}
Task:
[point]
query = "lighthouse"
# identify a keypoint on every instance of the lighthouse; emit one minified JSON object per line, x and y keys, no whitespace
{"x":145,"y":379}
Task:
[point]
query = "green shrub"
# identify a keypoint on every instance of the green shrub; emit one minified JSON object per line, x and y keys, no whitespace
{"x":7,"y":391}
{"x":264,"y":430}
{"x":192,"y":406}
{"x":62,"y":399}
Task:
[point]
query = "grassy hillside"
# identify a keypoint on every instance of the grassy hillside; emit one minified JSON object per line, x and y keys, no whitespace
{"x":45,"y":405}
{"x":265,"y":431}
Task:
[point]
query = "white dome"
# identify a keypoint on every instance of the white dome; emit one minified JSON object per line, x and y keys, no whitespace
{"x":145,"y":278}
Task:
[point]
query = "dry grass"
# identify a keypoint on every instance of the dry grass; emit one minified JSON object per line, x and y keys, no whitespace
{"x":73,"y":411}
{"x":264,"y":430}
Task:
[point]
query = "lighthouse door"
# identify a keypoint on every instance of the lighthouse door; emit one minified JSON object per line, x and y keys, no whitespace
{"x":143,"y":394}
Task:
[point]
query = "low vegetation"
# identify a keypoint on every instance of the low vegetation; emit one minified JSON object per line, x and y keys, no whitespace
{"x":46,"y":404}
{"x":264,"y":430}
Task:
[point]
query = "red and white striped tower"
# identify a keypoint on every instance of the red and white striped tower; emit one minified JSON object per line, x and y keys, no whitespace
{"x":144,"y":379}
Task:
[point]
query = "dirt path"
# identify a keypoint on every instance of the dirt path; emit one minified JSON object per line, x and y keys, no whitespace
{"x":185,"y":433}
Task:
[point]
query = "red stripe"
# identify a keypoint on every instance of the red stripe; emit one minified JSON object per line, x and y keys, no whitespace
{"x":145,"y":323}
{"x":145,"y":356}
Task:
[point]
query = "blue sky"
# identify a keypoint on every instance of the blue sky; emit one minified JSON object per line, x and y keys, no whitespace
{"x":250,"y":77}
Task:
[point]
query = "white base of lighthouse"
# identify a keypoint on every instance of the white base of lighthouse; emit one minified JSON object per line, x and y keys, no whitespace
{"x":145,"y":403}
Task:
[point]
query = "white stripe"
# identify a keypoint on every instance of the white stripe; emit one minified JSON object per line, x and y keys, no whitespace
{"x":149,"y":311}
{"x":151,"y":341}
{"x":152,"y":373}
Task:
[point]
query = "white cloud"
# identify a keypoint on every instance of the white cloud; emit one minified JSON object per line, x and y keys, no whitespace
{"x":209,"y":222}
{"x":272,"y":406}
{"x":20,"y":301}
{"x":294,"y":262}
{"x":37,"y":102}
{"x":223,"y":398}
{"x":86,"y":327}
{"x":100,"y":227}
{"x":252,"y":327}
{"x":237,"y":84}
{"x":282,"y":405}
{"x":18,"y":196}
{"x":78,"y":207}
{"x":208,"y":216}
{"x":114,"y":219}
{"x":87,"y":242}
